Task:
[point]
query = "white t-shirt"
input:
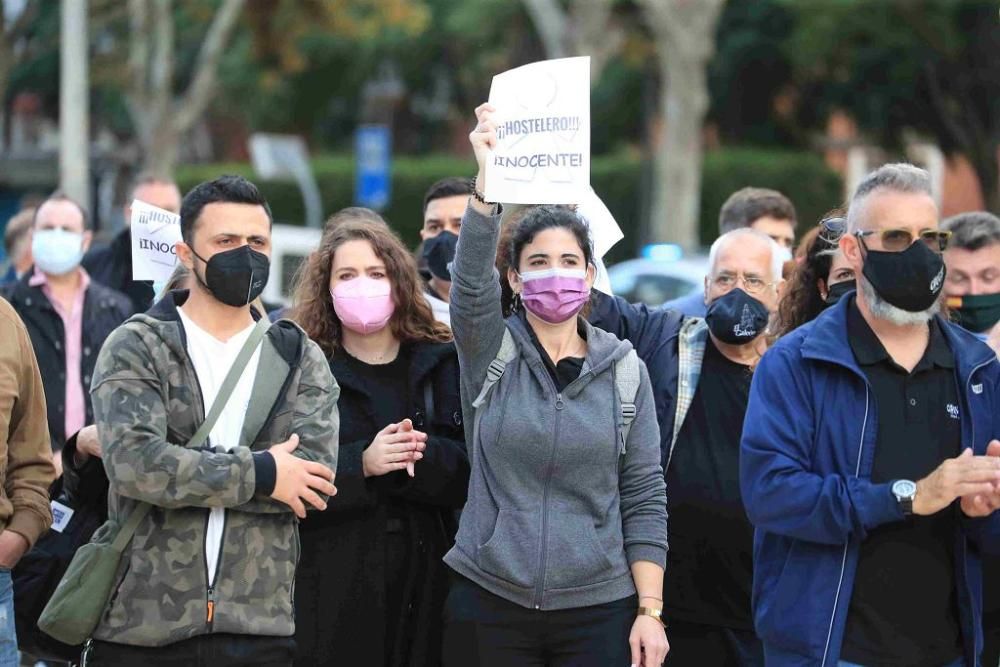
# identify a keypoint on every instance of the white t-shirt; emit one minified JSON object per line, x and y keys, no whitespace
{"x":212,"y":360}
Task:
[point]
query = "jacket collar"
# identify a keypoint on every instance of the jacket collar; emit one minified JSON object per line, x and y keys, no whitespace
{"x":164,"y":317}
{"x":603,"y":350}
{"x":827,"y":339}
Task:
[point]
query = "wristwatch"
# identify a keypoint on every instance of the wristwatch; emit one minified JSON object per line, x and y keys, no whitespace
{"x":655,"y":613}
{"x":905,"y":491}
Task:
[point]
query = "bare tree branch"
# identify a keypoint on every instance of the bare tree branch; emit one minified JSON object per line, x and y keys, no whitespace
{"x":199,"y":93}
{"x":138,"y":55}
{"x":586,"y":29}
{"x":24,"y":20}
{"x":684,"y":32}
{"x":594,"y":32}
{"x":551,"y":23}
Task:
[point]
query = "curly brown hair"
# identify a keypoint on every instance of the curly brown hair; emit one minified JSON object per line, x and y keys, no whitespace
{"x":412,"y":321}
{"x":802,"y":301}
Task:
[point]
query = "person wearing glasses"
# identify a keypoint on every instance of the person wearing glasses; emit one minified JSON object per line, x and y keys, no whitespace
{"x":764,"y":210}
{"x":704,"y":368}
{"x":869,"y":464}
{"x":972,"y":294}
{"x":821,"y":279}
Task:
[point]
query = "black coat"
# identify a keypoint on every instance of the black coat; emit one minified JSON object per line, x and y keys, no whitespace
{"x":111,"y":265}
{"x":340,"y":597}
{"x":103,"y":310}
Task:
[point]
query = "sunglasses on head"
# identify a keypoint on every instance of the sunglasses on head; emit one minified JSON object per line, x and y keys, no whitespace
{"x":896,"y":240}
{"x":831,"y":229}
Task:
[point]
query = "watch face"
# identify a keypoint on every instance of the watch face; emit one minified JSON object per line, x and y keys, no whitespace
{"x":904,"y":488}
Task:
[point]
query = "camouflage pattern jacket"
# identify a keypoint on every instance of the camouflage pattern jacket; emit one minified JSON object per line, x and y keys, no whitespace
{"x":148,"y":405}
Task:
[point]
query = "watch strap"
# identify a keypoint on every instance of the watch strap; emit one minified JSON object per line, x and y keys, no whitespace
{"x":655,"y":613}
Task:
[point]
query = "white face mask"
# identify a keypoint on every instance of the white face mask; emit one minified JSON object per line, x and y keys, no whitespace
{"x":784,"y":254}
{"x":56,"y":251}
{"x":580,"y":274}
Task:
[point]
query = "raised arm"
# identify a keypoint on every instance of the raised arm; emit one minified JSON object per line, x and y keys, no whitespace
{"x":476,"y":317}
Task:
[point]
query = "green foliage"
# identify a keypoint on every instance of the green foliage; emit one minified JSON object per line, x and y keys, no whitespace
{"x":749,"y":71}
{"x":616,"y":178}
{"x":802,"y":177}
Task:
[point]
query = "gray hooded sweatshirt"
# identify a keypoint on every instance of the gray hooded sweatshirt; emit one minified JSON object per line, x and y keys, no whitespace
{"x":556,"y":512}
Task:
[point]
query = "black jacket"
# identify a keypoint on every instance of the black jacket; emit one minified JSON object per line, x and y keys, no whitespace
{"x":340,"y":596}
{"x":111,"y":265}
{"x":103,"y":310}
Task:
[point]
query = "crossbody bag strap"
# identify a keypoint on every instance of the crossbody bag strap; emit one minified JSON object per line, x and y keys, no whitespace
{"x":201,"y":435}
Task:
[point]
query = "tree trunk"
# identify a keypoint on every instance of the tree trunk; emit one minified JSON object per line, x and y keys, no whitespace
{"x":161,"y":148}
{"x":550,"y":22}
{"x":685,"y":40}
{"x":586,"y":29}
{"x":160,"y":119}
{"x":678,"y":155}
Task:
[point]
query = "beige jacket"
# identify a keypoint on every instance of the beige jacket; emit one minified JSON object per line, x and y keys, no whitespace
{"x":26,"y":468}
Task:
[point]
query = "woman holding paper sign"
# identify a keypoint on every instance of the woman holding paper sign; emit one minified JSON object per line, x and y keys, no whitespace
{"x":370,"y":586}
{"x":561,"y":547}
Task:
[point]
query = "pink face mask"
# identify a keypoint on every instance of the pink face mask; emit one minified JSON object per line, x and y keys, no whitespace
{"x":364,"y":305}
{"x":555,"y":295}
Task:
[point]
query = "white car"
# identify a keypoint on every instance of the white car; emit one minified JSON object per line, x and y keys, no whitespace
{"x":654,"y":282}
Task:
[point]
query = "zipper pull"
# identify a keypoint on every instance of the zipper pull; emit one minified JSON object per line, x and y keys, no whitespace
{"x":621,"y":438}
{"x":559,"y":402}
{"x":210,"y":612}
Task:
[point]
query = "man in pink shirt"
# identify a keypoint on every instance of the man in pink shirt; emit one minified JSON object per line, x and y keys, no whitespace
{"x":67,"y":315}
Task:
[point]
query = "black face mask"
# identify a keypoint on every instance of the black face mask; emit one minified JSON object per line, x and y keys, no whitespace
{"x":439,"y":252}
{"x":235,"y":277}
{"x":975,"y":312}
{"x":910,"y":280}
{"x":837,"y":290}
{"x":736,"y":318}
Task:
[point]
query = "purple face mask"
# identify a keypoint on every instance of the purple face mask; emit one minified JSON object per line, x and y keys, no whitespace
{"x":555,"y":295}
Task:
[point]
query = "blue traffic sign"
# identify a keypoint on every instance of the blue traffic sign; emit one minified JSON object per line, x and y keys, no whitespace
{"x":373,"y":152}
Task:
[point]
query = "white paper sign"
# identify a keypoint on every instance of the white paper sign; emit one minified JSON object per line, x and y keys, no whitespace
{"x":605,"y":233}
{"x":602,"y":281}
{"x":543,"y":133}
{"x":61,"y":514}
{"x":154,"y":233}
{"x":604,"y":230}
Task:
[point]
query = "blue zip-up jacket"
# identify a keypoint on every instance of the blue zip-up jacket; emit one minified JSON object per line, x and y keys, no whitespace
{"x":805,"y":466}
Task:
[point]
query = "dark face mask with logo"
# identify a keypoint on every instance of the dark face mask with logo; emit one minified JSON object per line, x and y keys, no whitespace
{"x":235,"y":277}
{"x":736,"y":318}
{"x":836,"y":291}
{"x":910,"y":280}
{"x":975,"y":312}
{"x":439,"y":253}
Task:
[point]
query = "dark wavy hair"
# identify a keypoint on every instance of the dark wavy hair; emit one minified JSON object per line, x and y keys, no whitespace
{"x":802,"y":301}
{"x":412,"y":321}
{"x":519,"y":227}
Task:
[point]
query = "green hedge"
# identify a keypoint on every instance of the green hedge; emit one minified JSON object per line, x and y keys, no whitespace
{"x":618,"y":179}
{"x":802,"y":177}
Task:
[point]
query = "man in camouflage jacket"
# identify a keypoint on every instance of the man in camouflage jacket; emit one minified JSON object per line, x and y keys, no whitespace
{"x":148,"y":403}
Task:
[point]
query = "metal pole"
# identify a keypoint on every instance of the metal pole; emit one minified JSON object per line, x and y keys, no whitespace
{"x":74,"y":103}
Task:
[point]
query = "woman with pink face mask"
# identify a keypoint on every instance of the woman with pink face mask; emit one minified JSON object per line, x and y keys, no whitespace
{"x":370,"y":584}
{"x":561,"y":547}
